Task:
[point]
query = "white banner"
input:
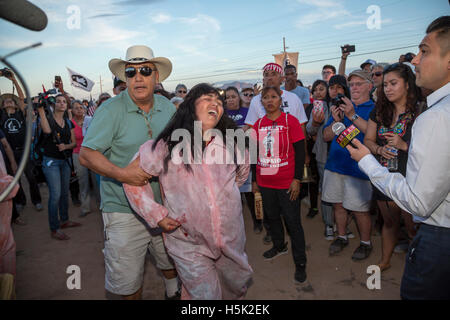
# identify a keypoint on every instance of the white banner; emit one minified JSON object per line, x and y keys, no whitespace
{"x":79,"y":81}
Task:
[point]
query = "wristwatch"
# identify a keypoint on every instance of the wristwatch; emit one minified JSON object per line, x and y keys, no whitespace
{"x":354,"y":117}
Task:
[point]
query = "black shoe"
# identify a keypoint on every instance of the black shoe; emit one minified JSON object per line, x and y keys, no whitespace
{"x":362,"y":252}
{"x":267,"y":239}
{"x":337,"y":246}
{"x":257,"y":228}
{"x":76,"y":203}
{"x":312,"y":213}
{"x":274,"y":252}
{"x":177,"y":296}
{"x":300,"y":274}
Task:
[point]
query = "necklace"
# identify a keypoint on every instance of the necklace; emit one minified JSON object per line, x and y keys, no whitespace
{"x":147,"y":122}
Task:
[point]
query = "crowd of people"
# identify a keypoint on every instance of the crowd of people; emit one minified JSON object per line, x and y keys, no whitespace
{"x":119,"y":153}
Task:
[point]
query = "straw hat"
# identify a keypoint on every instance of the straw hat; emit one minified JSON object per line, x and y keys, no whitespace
{"x":140,"y":54}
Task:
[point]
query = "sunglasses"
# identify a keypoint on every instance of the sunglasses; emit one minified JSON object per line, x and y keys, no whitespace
{"x":130,"y":72}
{"x":248,"y":94}
{"x":378,"y":74}
{"x":182,"y":91}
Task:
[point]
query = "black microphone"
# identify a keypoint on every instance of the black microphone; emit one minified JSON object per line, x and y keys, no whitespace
{"x":24,"y":14}
{"x":344,"y":135}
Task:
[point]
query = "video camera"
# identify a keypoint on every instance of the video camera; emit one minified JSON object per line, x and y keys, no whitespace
{"x":337,"y":101}
{"x":45,"y":100}
{"x":5,"y":72}
{"x":348,"y":48}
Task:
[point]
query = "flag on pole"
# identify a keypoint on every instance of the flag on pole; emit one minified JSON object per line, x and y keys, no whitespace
{"x":79,"y":81}
{"x":286,"y":58}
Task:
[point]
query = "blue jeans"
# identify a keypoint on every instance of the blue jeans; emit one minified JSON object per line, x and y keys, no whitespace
{"x":427,"y":267}
{"x":57,"y":174}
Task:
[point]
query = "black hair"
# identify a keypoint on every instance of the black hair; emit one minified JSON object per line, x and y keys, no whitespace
{"x":236,"y":91}
{"x":184,"y":118}
{"x":385,"y":109}
{"x":329,"y":66}
{"x":321,"y":82}
{"x":442,"y":26}
{"x":290,"y":66}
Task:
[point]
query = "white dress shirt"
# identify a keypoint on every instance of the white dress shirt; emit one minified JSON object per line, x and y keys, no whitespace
{"x":425,"y":191}
{"x":290,"y":104}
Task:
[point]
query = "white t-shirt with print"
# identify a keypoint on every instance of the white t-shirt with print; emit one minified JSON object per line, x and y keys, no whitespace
{"x":290,"y":104}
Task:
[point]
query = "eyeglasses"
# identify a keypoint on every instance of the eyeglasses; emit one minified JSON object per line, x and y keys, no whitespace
{"x":130,"y":72}
{"x":182,"y":91}
{"x":377,"y":74}
{"x":248,"y":94}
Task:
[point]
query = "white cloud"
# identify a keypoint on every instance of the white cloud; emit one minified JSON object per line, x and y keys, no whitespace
{"x":161,"y":18}
{"x":319,"y":16}
{"x":202,"y":22}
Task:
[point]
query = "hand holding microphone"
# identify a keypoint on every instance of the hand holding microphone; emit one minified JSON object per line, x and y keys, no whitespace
{"x":344,"y":135}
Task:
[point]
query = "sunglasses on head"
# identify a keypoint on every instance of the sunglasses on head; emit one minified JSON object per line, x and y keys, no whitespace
{"x":248,"y":94}
{"x":130,"y":72}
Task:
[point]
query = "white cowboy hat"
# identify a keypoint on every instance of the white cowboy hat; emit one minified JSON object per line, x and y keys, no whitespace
{"x":140,"y":54}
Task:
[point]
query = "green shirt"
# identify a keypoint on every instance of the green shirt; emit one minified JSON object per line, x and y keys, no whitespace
{"x":117,"y":130}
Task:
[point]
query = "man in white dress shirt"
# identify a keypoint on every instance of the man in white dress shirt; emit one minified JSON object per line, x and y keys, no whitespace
{"x":425,"y":191}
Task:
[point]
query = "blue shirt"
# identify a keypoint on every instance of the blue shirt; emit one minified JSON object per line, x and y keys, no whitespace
{"x":302,"y":93}
{"x":238,"y":116}
{"x":339,"y":159}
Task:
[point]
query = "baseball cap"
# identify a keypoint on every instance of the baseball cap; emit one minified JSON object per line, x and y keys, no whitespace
{"x":273,"y":67}
{"x":368,"y":61}
{"x":360,"y":73}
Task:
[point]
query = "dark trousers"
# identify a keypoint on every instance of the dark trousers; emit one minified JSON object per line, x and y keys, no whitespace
{"x":29,"y":174}
{"x":276,"y":204}
{"x":427,"y":267}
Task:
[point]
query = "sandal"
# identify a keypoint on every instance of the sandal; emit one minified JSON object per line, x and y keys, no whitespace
{"x":384,"y":266}
{"x":19,"y":221}
{"x":59,"y":235}
{"x":70,"y":224}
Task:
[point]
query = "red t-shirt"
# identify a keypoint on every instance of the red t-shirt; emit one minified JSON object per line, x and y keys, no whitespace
{"x":276,"y":157}
{"x":78,"y":137}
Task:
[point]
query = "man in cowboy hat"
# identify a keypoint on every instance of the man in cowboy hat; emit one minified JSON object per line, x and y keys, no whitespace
{"x":115,"y":134}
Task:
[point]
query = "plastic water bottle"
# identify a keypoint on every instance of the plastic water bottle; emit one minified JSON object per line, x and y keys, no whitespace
{"x":392,"y":164}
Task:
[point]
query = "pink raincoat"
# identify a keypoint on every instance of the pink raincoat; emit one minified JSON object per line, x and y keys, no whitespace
{"x":7,"y":243}
{"x":208,"y":247}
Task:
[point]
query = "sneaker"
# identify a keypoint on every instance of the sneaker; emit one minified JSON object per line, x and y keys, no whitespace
{"x":267,"y":239}
{"x":312,"y":213}
{"x":329,"y":233}
{"x":362,"y":252}
{"x":257,"y":228}
{"x":176,"y":296}
{"x":39,"y":206}
{"x":274,"y":252}
{"x":83,"y":214}
{"x":337,"y":245}
{"x":350,"y":234}
{"x":300,"y":274}
{"x":70,"y":224}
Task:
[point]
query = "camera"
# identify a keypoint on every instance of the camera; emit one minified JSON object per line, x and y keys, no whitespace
{"x":5,"y":72}
{"x":45,"y":100}
{"x":337,"y":101}
{"x":348,"y":48}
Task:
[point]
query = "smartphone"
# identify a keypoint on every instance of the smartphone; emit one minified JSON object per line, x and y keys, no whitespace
{"x":348,"y":48}
{"x":317,"y":106}
{"x":58,"y":78}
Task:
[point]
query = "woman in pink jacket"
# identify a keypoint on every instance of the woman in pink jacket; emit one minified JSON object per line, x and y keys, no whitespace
{"x":202,"y":212}
{"x":7,"y":243}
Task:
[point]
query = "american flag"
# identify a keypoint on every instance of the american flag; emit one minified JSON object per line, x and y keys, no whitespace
{"x":91,"y":108}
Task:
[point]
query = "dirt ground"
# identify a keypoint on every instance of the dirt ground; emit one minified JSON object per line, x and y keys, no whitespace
{"x":42,"y":263}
